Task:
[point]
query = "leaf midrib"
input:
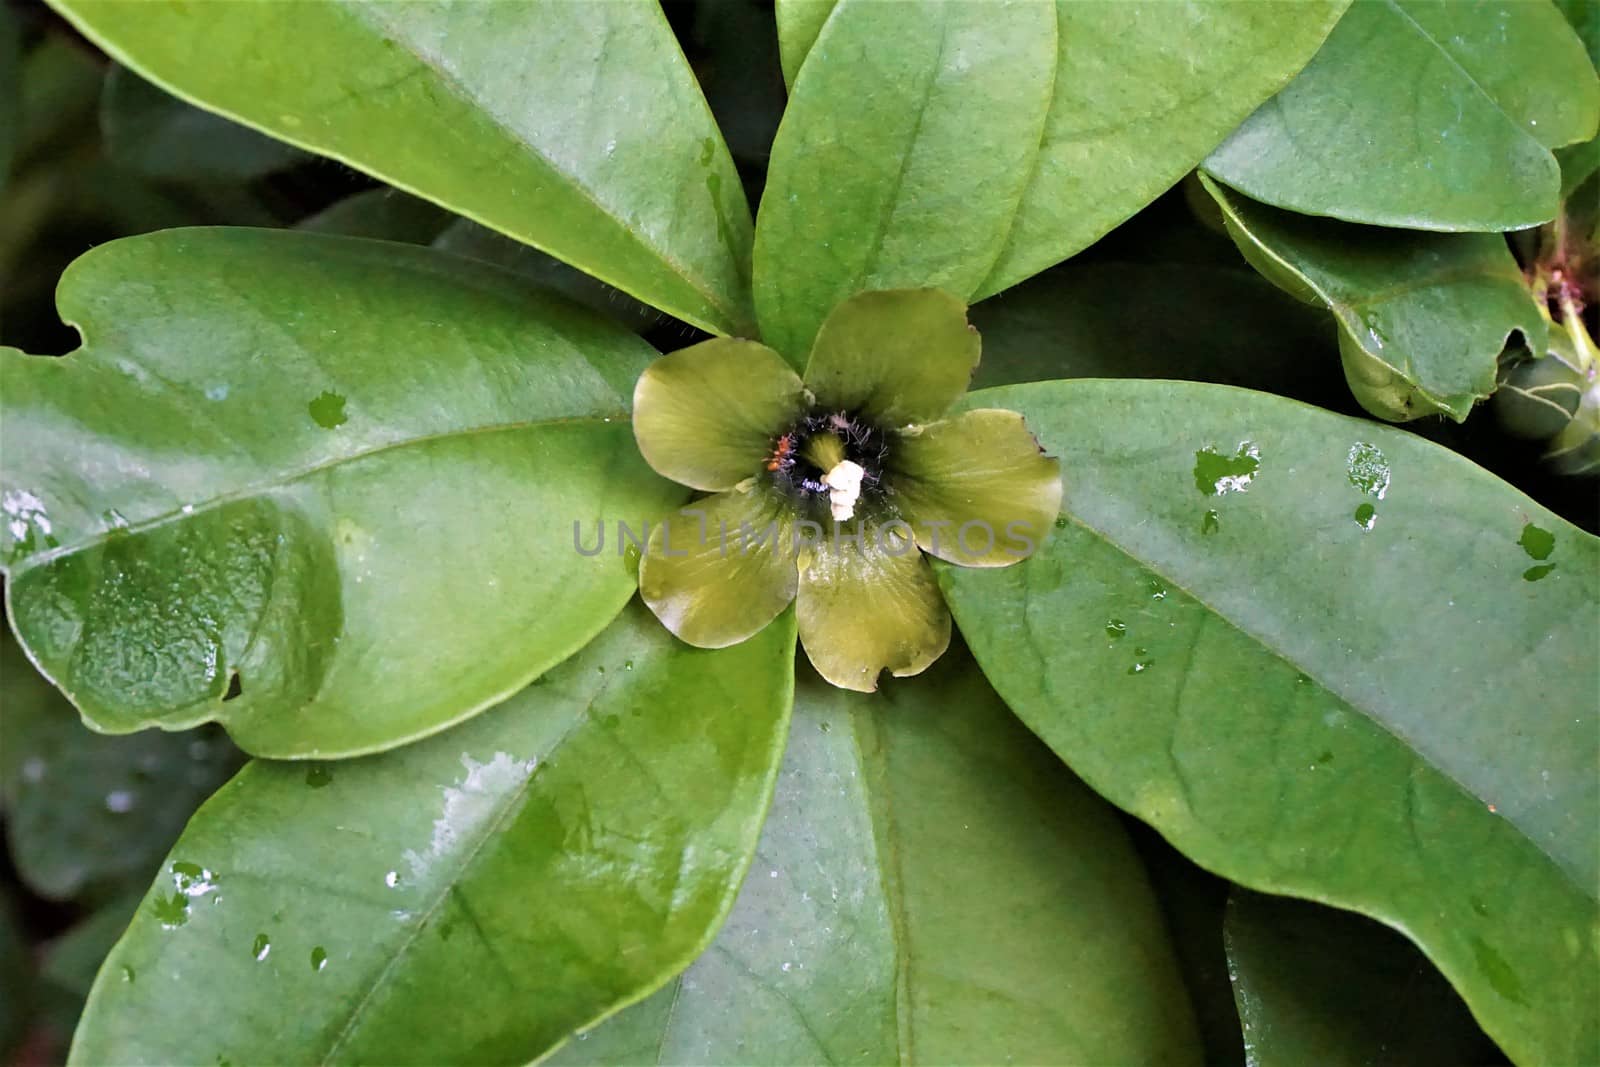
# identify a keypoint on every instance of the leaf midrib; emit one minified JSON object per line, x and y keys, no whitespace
{"x":254,"y":489}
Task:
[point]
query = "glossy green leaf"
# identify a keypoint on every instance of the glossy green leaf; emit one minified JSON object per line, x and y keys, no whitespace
{"x":931,"y":887}
{"x":799,"y":23}
{"x":1311,"y":651}
{"x":85,"y":812}
{"x":1136,"y":96}
{"x":577,"y":128}
{"x":520,"y":876}
{"x":1422,"y":317}
{"x":154,"y":134}
{"x":1319,"y":986}
{"x":1428,"y":114}
{"x":323,"y":490}
{"x":1156,"y":320}
{"x":898,"y":167}
{"x":1141,"y":93}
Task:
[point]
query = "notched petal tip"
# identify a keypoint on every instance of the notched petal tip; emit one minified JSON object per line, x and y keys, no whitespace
{"x":864,"y":609}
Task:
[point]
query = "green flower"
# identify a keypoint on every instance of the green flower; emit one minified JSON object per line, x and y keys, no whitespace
{"x":827,"y":491}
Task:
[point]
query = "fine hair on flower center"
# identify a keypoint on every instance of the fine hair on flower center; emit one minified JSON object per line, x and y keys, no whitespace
{"x":832,"y":462}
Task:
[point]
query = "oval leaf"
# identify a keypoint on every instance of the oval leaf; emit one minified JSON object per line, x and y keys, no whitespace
{"x":1422,"y":317}
{"x":577,"y":128}
{"x":1324,"y":658}
{"x":1427,"y":114}
{"x":520,"y":876}
{"x":906,"y":144}
{"x":1142,"y":92}
{"x":323,"y":490}
{"x":931,"y":887}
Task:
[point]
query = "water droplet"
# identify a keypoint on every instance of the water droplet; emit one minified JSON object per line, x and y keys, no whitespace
{"x":825,"y":727}
{"x":1218,"y":475}
{"x":216,"y":392}
{"x":1143,"y":663}
{"x":327,"y":410}
{"x":391,"y":879}
{"x":128,"y":975}
{"x":120,"y":801}
{"x":1157,"y":590}
{"x":1061,"y":522}
{"x":319,"y":958}
{"x":787,"y":965}
{"x":1538,"y":543}
{"x":708,"y":149}
{"x":260,"y":947}
{"x":1210,"y":522}
{"x":627,"y":665}
{"x":1533,"y":574}
{"x":318,"y":775}
{"x":1367,"y":469}
{"x":1115,"y":628}
{"x":1366,"y":516}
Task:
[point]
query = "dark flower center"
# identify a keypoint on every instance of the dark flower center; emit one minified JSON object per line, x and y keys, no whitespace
{"x":802,"y":455}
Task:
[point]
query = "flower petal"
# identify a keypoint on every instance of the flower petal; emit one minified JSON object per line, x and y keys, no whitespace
{"x":706,"y":576}
{"x":862,"y":609}
{"x":977,"y":489}
{"x":705,"y":415}
{"x":895,"y":357}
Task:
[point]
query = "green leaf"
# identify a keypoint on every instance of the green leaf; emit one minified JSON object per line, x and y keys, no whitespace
{"x":931,"y":887}
{"x":156,"y":135}
{"x":1156,"y":320}
{"x":799,"y":23}
{"x":899,"y":167}
{"x":577,"y":128}
{"x":1137,"y":96}
{"x":1319,"y":986}
{"x":89,"y":812}
{"x":1325,"y":674}
{"x":1427,"y":114}
{"x":1141,"y":93}
{"x":521,"y":876}
{"x":325,"y":491}
{"x":1422,"y":317}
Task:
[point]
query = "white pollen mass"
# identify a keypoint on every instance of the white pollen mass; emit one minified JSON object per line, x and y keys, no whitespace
{"x":844,"y":489}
